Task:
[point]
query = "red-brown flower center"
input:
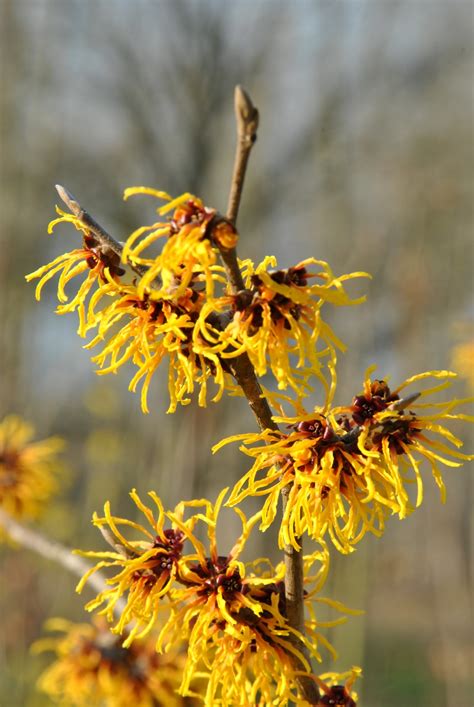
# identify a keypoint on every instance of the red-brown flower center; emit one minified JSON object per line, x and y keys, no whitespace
{"x":216,"y":575}
{"x":337,"y":697}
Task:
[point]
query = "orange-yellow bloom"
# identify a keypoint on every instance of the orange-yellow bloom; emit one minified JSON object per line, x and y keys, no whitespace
{"x":147,"y":330}
{"x":27,"y":469}
{"x":191,"y":236}
{"x":231,"y":615}
{"x":180,"y":309}
{"x":277,"y":321}
{"x":97,"y":259}
{"x":334,"y":693}
{"x":348,"y":468}
{"x":92,"y":669}
{"x":265,"y":671}
{"x":158,"y":314}
{"x":146,"y":567}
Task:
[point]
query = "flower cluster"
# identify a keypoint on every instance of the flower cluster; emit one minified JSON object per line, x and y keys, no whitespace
{"x":342,"y":471}
{"x":96,"y":259}
{"x":179,"y":309}
{"x":277,"y":321}
{"x":231,"y":615}
{"x":348,"y":468}
{"x":146,"y":330}
{"x":153,"y":319}
{"x":92,"y":669}
{"x":27,"y":469}
{"x":193,"y":236}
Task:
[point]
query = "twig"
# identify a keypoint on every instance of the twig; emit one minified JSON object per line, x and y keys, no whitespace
{"x":110,"y":538}
{"x":95,"y":228}
{"x":50,"y":549}
{"x":403,"y":403}
{"x":247,"y":123}
{"x":244,"y":372}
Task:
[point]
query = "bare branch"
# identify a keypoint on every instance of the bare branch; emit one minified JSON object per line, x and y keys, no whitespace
{"x":247,"y":123}
{"x":37,"y":542}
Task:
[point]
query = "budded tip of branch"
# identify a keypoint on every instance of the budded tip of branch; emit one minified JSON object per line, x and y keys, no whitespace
{"x":69,"y":200}
{"x":401,"y":404}
{"x":246,"y":115}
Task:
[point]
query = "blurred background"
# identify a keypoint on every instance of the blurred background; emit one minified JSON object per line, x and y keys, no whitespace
{"x":364,"y":158}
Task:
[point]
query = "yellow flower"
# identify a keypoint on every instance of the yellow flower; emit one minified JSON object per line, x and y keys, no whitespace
{"x":264,"y":671}
{"x":157,"y":314}
{"x":27,"y":469}
{"x":231,"y":615}
{"x":191,"y":235}
{"x":99,"y":260}
{"x":397,"y":435}
{"x":348,"y":467}
{"x":156,"y":329}
{"x":173,"y":310}
{"x":147,"y":567}
{"x":92,"y":669}
{"x":277,"y":320}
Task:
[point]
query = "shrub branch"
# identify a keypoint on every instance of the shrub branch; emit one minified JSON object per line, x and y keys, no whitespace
{"x":37,"y":542}
{"x":247,"y":122}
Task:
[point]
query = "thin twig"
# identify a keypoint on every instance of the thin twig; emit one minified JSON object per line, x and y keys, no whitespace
{"x":244,"y":372}
{"x":37,"y":542}
{"x":110,"y":538}
{"x":403,"y":403}
{"x":247,"y":123}
{"x":95,"y":228}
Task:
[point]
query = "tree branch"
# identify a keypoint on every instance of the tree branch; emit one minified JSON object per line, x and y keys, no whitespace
{"x":95,"y":228}
{"x":244,"y":373}
{"x":37,"y":542}
{"x":247,"y":123}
